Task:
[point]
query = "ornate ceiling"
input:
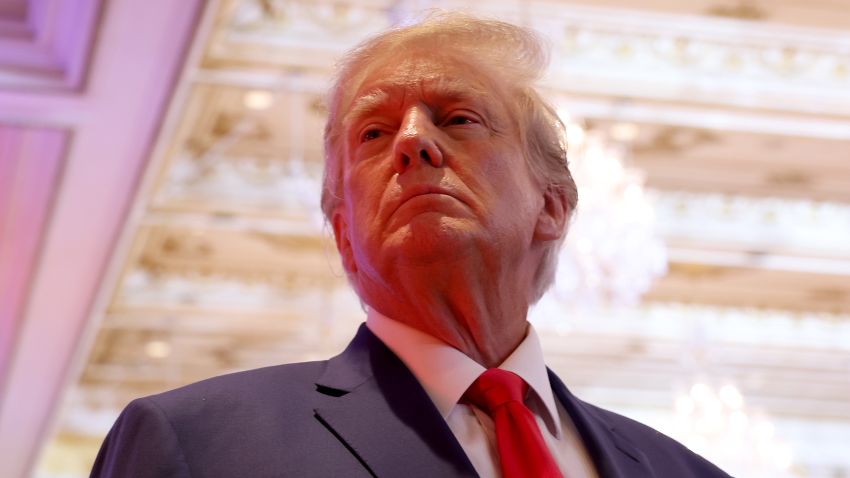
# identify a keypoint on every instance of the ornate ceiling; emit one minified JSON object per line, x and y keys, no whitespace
{"x":738,"y":113}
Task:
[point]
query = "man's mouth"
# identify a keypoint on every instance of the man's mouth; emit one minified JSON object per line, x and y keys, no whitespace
{"x":425,"y":190}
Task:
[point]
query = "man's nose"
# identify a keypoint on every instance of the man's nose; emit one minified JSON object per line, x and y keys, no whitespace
{"x":415,"y":142}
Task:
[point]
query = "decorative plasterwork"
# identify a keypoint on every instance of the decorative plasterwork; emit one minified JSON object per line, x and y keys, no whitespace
{"x":234,"y":156}
{"x":50,"y":48}
{"x":223,"y":270}
{"x":599,"y":51}
{"x":697,"y":59}
{"x":291,"y":33}
{"x":763,"y":226}
{"x":760,"y":252}
{"x":703,"y":324}
{"x":740,"y":163}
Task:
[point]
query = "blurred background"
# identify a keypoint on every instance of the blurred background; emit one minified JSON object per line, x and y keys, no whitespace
{"x":160,"y":166}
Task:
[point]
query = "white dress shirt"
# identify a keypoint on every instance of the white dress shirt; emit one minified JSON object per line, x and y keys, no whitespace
{"x":445,"y":373}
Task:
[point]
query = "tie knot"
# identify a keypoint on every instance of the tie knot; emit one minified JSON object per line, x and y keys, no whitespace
{"x":496,"y":387}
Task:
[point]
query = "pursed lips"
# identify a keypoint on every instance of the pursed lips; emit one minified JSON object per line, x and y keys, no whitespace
{"x":412,"y":192}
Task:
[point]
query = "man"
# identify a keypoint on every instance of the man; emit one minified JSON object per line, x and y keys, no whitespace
{"x":448,"y":190}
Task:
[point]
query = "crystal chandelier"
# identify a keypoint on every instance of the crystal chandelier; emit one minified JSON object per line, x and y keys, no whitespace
{"x":717,"y":425}
{"x":611,"y":254}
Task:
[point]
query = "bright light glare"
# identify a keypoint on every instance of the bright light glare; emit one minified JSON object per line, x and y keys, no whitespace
{"x":731,"y":396}
{"x":701,"y":392}
{"x":624,"y":131}
{"x":684,"y":405}
{"x":575,"y":134}
{"x":258,"y":100}
{"x":158,"y":349}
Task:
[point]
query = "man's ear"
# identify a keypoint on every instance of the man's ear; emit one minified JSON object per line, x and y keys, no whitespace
{"x":343,"y":241}
{"x":553,"y":215}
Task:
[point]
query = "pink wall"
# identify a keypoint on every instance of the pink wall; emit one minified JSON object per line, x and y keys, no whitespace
{"x":30,"y":159}
{"x":71,"y":158}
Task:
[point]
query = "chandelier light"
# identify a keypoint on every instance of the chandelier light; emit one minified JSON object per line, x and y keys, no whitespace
{"x":611,"y":254}
{"x":717,"y":424}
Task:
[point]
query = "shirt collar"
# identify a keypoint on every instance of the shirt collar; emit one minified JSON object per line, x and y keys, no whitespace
{"x":446,"y":373}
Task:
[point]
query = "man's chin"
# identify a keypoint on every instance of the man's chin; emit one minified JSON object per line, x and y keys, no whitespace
{"x":434,"y":237}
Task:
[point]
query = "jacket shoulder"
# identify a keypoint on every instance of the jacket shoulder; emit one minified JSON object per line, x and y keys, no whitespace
{"x":261,"y":420}
{"x":256,"y":384}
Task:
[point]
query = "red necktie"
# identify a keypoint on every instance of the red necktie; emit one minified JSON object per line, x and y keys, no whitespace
{"x":522,"y":451}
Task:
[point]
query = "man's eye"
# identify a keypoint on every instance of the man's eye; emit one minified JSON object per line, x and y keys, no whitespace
{"x":369,"y":135}
{"x":460,"y":120}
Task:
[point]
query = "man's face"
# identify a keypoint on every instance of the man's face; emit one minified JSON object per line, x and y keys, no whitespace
{"x":432,"y":168}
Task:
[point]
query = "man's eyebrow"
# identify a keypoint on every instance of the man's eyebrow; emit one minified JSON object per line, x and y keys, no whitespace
{"x":441,"y":88}
{"x":366,"y":104}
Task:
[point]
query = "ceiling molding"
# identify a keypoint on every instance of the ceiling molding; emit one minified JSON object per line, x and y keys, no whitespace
{"x":50,"y":49}
{"x":595,"y":50}
{"x":32,"y":159}
{"x":760,"y":226}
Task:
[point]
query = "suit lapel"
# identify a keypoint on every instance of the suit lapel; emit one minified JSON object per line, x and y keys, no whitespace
{"x":613,"y":455}
{"x":377,"y":408}
{"x":384,"y":417}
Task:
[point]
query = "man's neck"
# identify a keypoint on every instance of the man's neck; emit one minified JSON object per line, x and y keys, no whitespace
{"x":484,"y":317}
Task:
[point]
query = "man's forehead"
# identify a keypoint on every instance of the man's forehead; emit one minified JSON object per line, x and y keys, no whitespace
{"x":429,"y":80}
{"x":433,"y":87}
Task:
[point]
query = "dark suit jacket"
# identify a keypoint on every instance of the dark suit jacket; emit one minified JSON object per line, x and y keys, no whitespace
{"x":359,"y":414}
